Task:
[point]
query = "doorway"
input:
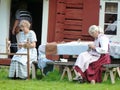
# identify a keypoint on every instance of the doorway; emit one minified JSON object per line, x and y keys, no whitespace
{"x":35,"y":7}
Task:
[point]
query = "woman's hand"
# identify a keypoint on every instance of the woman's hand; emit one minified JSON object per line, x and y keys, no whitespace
{"x":26,"y":45}
{"x":29,"y":45}
{"x":20,"y":45}
{"x":91,"y":46}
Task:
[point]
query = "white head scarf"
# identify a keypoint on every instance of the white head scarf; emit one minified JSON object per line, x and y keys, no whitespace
{"x":94,"y":28}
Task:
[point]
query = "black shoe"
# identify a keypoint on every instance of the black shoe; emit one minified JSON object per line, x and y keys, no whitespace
{"x":81,"y":80}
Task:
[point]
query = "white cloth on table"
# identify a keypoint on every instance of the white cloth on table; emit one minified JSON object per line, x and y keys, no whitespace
{"x":85,"y":58}
{"x":72,"y":48}
{"x":69,"y":48}
{"x":115,"y":49}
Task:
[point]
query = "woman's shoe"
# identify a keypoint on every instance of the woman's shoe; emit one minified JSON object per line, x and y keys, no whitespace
{"x":81,"y":80}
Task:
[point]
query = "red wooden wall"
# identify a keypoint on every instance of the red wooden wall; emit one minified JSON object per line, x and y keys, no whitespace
{"x":51,"y":20}
{"x":70,"y":19}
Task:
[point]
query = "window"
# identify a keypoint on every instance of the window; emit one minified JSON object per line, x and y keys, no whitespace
{"x":110,"y":18}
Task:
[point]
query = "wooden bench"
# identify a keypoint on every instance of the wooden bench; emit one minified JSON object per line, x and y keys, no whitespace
{"x":111,"y":69}
{"x":67,"y":68}
{"x":34,"y":69}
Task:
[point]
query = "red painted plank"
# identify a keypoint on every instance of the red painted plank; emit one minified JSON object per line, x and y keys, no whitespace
{"x":73,"y":27}
{"x":74,"y":1}
{"x":91,"y":13}
{"x":73,"y":32}
{"x":72,"y":37}
{"x":74,"y":14}
{"x":68,"y":18}
{"x":74,"y":4}
{"x":5,"y":61}
{"x":59,"y":27}
{"x":86,"y":37}
{"x":61,"y":7}
{"x":51,"y":21}
{"x":61,"y":1}
{"x":73,"y":22}
{"x":77,"y":6}
{"x":60,"y":18}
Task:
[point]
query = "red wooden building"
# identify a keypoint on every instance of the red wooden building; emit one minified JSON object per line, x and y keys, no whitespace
{"x":69,"y":20}
{"x":60,"y":20}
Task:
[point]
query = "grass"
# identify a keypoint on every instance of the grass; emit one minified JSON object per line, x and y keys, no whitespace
{"x":51,"y":82}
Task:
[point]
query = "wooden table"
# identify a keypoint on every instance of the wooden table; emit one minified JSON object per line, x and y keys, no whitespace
{"x":69,"y":48}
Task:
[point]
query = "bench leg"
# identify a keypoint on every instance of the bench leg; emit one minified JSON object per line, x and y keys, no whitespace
{"x":63,"y":74}
{"x":105,"y":76}
{"x":42,"y":72}
{"x":33,"y":71}
{"x":67,"y":69}
{"x":69,"y":73}
{"x":118,"y":71}
{"x":112,"y":77}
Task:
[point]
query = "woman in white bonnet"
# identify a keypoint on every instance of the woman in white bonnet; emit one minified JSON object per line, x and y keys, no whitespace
{"x":18,"y":66}
{"x":88,"y":64}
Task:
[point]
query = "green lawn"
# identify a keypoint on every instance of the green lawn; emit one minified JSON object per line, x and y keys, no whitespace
{"x":51,"y":82}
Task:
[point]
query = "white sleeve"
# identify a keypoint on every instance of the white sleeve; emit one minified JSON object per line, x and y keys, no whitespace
{"x":104,"y":44}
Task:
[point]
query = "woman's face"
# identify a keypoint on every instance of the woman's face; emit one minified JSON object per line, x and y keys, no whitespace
{"x":24,"y":28}
{"x":94,"y":34}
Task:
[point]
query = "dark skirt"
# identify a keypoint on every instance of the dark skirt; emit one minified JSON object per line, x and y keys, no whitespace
{"x":94,"y":71}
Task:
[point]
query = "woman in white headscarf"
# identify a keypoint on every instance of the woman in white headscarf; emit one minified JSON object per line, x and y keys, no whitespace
{"x":98,"y":52}
{"x":18,"y":66}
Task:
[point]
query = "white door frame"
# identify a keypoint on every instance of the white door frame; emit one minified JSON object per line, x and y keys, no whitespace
{"x":114,"y":38}
{"x":4,"y":23}
{"x":45,"y":21}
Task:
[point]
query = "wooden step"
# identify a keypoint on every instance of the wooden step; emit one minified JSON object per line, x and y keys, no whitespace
{"x":5,"y":61}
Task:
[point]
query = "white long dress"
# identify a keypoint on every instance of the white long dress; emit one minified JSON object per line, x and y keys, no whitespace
{"x":18,"y":65}
{"x":85,"y":58}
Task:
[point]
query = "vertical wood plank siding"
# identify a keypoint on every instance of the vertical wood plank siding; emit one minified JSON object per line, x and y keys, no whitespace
{"x":69,"y":20}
